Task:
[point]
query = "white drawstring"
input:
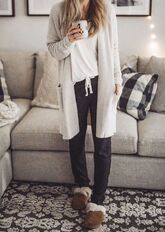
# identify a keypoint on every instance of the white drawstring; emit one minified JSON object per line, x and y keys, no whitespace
{"x":88,"y":85}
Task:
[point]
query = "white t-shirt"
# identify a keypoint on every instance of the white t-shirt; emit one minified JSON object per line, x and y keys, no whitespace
{"x":84,"y":61}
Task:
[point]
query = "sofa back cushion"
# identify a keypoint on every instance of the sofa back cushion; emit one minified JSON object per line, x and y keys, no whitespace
{"x":130,"y":61}
{"x":157,"y":65}
{"x":142,"y":63}
{"x":19,"y":72}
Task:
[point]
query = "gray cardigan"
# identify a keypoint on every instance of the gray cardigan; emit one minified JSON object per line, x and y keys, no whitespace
{"x":60,"y":48}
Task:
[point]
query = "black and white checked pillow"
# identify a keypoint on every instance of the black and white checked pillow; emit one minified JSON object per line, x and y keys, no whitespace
{"x":4,"y":95}
{"x":138,"y":92}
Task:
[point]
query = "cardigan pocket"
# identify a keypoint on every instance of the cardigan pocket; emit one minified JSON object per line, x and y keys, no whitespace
{"x":59,"y":96}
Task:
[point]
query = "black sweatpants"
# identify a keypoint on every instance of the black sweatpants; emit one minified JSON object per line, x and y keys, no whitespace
{"x":102,"y":146}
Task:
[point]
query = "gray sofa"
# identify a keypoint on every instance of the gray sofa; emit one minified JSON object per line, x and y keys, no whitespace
{"x":32,"y":149}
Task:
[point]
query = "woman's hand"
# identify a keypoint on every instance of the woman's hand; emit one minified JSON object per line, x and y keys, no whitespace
{"x":118,"y":89}
{"x":74,"y":33}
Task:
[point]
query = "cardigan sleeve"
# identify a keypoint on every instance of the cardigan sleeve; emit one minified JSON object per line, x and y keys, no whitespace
{"x":58,"y":48}
{"x":117,"y":67}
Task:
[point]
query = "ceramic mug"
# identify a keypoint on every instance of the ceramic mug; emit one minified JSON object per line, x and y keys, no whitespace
{"x":84,"y":26}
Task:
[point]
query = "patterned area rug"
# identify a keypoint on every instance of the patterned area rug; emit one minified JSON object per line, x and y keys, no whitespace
{"x":37,"y":207}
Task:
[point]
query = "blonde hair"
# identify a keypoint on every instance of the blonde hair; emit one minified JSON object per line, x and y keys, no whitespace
{"x":96,"y":14}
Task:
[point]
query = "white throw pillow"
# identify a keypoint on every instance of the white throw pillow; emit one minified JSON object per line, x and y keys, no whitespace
{"x":47,"y":91}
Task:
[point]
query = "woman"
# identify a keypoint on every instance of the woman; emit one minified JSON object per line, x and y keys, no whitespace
{"x":87,"y":63}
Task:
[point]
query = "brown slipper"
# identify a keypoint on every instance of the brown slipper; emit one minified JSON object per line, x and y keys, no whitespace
{"x":81,"y":195}
{"x":95,"y":216}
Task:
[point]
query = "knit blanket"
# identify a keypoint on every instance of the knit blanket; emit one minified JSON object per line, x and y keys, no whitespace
{"x":9,"y":112}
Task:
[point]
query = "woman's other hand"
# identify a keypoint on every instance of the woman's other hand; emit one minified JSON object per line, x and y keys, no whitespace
{"x":74,"y":33}
{"x":118,"y":89}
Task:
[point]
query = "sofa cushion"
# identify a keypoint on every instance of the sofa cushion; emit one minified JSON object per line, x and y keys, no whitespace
{"x":19,"y":72}
{"x":152,"y":135}
{"x":157,"y":65}
{"x":24,"y":105}
{"x":130,"y":61}
{"x":35,"y":132}
{"x":124,"y":141}
{"x":142,"y":63}
{"x":39,"y":130}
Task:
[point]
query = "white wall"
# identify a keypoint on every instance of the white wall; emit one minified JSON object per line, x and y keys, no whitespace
{"x":29,"y":32}
{"x":135,"y":32}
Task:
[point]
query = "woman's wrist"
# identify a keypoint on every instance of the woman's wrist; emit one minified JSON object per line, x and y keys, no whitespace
{"x":67,"y":42}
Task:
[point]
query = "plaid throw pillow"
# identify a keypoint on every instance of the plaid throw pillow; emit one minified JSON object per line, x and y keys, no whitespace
{"x":4,"y":95}
{"x":138,"y":92}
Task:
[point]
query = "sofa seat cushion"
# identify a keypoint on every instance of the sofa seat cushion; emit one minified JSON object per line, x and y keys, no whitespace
{"x":152,"y":135}
{"x":124,"y":141}
{"x":24,"y":105}
{"x":39,"y":130}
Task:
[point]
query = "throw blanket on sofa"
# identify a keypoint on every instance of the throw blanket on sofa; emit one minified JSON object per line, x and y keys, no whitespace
{"x":9,"y":112}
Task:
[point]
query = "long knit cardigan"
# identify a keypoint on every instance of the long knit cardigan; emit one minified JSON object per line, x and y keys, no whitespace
{"x":60,"y":48}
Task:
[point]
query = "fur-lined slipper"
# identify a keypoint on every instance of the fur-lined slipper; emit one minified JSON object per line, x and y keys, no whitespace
{"x":81,"y":196}
{"x":95,"y":215}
